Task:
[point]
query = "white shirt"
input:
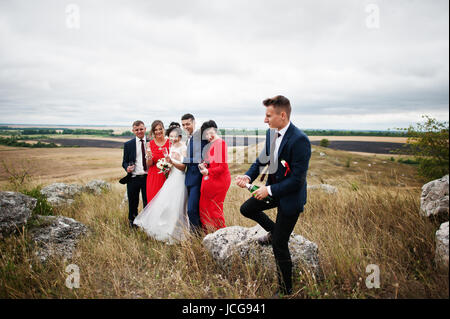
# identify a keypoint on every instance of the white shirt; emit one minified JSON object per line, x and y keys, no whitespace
{"x":139,"y":165}
{"x":277,"y":147}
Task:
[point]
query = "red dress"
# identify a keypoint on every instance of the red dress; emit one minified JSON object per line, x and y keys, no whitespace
{"x":214,"y":187}
{"x":155,"y":180}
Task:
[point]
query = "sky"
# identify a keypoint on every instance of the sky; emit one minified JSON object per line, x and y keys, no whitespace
{"x":350,"y":64}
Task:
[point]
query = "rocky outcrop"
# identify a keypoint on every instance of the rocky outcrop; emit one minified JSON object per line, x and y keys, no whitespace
{"x":441,"y":257}
{"x":61,"y":194}
{"x":435,"y":198}
{"x":57,"y":236}
{"x":15,"y":210}
{"x":97,"y":186}
{"x":228,"y":242}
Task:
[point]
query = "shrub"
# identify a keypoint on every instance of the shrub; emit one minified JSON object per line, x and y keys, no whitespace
{"x":429,"y":143}
{"x":42,"y":206}
{"x":324,"y":142}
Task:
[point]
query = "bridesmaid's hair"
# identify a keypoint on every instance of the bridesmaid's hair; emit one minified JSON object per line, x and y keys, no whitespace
{"x":174,"y":126}
{"x":206,"y":125}
{"x":154,"y":125}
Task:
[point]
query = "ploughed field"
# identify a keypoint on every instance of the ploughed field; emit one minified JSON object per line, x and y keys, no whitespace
{"x":375,"y":145}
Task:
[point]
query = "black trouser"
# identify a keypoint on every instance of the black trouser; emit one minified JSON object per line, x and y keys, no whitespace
{"x":134,"y":187}
{"x":281,"y":231}
{"x":193,"y":208}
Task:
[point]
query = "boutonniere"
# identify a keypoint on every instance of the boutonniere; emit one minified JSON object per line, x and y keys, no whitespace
{"x":286,"y":165}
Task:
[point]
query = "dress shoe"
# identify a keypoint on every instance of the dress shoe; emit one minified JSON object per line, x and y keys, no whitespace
{"x":132,"y":226}
{"x":265,"y":240}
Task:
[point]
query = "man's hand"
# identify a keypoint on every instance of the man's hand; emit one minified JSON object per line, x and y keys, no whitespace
{"x":130,"y":169}
{"x":261,"y":193}
{"x":241,"y":180}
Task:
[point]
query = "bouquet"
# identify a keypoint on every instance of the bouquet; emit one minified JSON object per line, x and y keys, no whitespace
{"x":164,"y":167}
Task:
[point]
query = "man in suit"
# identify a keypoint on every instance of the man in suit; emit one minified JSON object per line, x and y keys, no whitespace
{"x":287,"y":151}
{"x":193,"y":179}
{"x":134,"y":163}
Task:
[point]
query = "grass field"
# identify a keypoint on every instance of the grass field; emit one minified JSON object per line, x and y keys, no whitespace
{"x":373,"y":219}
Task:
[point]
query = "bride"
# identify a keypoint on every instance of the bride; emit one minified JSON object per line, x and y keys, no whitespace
{"x":164,"y":218}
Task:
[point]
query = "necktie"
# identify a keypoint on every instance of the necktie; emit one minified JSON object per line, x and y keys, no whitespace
{"x":271,"y":177}
{"x":144,"y":162}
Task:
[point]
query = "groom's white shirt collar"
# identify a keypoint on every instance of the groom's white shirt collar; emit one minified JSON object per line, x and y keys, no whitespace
{"x":138,"y":140}
{"x":284,"y":129}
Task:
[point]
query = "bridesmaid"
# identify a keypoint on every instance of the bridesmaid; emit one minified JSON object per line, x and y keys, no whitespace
{"x":216,"y":179}
{"x":155,"y":151}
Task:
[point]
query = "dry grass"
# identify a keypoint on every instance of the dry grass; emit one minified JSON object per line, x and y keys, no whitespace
{"x":373,"y":219}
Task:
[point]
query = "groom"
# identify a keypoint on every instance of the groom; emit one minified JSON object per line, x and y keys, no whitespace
{"x":287,"y":151}
{"x":193,"y":179}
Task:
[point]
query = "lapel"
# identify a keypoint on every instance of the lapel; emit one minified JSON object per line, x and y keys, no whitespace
{"x":285,"y":139}
{"x":133,"y":149}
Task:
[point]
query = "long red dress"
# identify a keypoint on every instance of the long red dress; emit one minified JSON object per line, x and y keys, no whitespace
{"x":155,"y":180}
{"x":214,"y":187}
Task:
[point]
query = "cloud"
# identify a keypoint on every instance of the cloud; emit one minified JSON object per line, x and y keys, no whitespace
{"x":220,"y":59}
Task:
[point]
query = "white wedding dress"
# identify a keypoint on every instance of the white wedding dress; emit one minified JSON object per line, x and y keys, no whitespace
{"x":165,"y":217}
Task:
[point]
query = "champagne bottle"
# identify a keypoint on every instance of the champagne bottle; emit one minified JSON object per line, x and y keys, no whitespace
{"x":253,"y":188}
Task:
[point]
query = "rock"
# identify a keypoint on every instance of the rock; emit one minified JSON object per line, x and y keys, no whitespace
{"x":15,"y":209}
{"x":124,"y":202}
{"x":97,"y":186}
{"x":59,"y":194}
{"x":325,"y":187}
{"x":434,"y":199}
{"x":57,"y":236}
{"x":441,"y":257}
{"x":322,"y":154}
{"x":242,"y":241}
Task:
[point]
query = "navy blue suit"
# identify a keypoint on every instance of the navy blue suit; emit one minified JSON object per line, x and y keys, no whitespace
{"x":288,"y":191}
{"x":136,"y":184}
{"x":193,"y":179}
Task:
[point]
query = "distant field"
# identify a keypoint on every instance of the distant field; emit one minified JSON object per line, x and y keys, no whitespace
{"x":368,"y":144}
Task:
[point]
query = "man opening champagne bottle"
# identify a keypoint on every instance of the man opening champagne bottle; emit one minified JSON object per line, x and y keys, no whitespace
{"x":287,"y":152}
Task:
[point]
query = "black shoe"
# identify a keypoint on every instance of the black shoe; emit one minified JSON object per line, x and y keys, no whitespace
{"x":265,"y":240}
{"x":132,"y":226}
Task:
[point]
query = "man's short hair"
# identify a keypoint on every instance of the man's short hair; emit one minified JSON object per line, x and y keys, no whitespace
{"x":138,"y":123}
{"x":188,"y":116}
{"x":279,"y":103}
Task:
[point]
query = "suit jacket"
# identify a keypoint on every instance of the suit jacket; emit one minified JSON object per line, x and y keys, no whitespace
{"x":194,"y":157}
{"x":290,"y":190}
{"x":129,"y":153}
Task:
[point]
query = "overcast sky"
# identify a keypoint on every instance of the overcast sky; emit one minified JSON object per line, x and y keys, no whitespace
{"x":349,"y":64}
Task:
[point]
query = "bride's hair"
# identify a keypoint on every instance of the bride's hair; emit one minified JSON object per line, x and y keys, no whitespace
{"x":174,"y":126}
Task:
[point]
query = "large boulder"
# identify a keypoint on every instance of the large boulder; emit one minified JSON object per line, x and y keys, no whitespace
{"x":97,"y":186}
{"x":232,"y":241}
{"x":15,"y":209}
{"x":57,"y":236}
{"x":434,"y":199}
{"x":441,"y":257}
{"x":60,"y":194}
